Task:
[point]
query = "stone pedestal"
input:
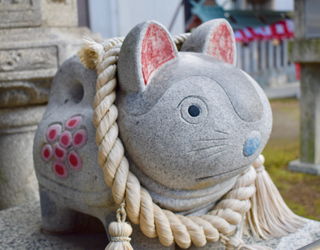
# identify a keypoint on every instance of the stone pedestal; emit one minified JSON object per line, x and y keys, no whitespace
{"x":18,"y":183}
{"x":307,"y":53}
{"x":36,"y":37}
{"x":20,"y":228}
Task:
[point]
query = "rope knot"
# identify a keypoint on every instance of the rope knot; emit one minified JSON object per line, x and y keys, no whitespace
{"x":235,"y":243}
{"x":224,"y":239}
{"x":240,"y":246}
{"x":120,"y":231}
{"x":260,"y":169}
{"x":258,"y":162}
{"x":121,"y":213}
{"x":120,"y":239}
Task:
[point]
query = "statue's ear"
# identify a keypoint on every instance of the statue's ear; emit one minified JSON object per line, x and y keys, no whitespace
{"x":145,"y":49}
{"x":214,"y":38}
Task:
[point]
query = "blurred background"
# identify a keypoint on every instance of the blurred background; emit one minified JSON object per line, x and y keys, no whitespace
{"x":262,"y":28}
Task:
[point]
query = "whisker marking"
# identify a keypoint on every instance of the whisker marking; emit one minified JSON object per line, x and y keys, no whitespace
{"x":209,"y":156}
{"x":222,"y":132}
{"x":218,"y":139}
{"x":199,"y":149}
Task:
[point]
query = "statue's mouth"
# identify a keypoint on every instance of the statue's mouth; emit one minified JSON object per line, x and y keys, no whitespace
{"x":226,"y":174}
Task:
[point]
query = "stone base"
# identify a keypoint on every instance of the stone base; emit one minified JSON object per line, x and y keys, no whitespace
{"x":309,"y":168}
{"x":20,"y":228}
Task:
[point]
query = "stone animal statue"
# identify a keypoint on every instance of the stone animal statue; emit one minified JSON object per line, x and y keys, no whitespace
{"x":190,"y":126}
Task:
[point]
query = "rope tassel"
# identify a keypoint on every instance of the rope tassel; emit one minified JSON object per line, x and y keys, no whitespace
{"x":90,"y":53}
{"x":269,"y":215}
{"x":120,"y":232}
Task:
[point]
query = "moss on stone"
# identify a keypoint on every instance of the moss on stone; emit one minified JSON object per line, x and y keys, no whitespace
{"x":3,"y":180}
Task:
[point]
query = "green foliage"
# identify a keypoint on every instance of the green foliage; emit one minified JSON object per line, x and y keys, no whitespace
{"x":300,"y":191}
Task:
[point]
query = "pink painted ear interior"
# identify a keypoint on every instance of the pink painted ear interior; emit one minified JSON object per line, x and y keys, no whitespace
{"x":221,"y":44}
{"x":156,"y":50}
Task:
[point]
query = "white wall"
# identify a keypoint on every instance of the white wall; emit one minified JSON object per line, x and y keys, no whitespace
{"x":103,"y":17}
{"x":134,"y":12}
{"x":278,"y":5}
{"x":284,"y":5}
{"x":113,"y":18}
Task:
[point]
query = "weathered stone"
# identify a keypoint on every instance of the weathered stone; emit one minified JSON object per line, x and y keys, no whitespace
{"x":59,"y":13}
{"x":17,"y":178}
{"x":20,"y":117}
{"x":15,"y":62}
{"x":310,"y":114}
{"x":307,"y":53}
{"x":20,"y":13}
{"x":190,"y":124}
{"x":36,"y":37}
{"x":21,"y":93}
{"x":20,"y":228}
{"x":38,"y":52}
{"x":309,"y":168}
{"x":71,"y":97}
{"x":35,"y":13}
{"x":175,"y":154}
{"x":299,"y":20}
{"x":30,"y":58}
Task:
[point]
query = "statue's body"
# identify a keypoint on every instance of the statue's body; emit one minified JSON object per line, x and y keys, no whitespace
{"x":190,"y":124}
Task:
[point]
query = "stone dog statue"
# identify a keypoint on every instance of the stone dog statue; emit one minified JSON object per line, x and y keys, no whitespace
{"x":190,"y":126}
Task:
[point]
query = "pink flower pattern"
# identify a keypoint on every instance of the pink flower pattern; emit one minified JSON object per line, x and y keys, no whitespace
{"x":61,"y":146}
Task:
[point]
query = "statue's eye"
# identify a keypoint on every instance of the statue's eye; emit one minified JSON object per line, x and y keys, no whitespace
{"x":194,"y":110}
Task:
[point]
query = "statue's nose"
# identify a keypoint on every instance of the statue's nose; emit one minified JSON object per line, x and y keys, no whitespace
{"x":251,"y":143}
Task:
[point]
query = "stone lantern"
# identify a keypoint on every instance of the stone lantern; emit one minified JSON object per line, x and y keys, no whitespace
{"x":36,"y":37}
{"x":305,"y":50}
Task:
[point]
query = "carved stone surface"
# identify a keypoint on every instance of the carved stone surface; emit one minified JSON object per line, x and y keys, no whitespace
{"x":190,"y":123}
{"x":187,"y":123}
{"x":59,"y":13}
{"x":306,"y":52}
{"x":21,"y":93}
{"x":36,"y":37}
{"x":17,"y":63}
{"x":20,"y":13}
{"x":17,"y":178}
{"x":30,"y":58}
{"x":35,"y":13}
{"x":20,"y":117}
{"x":20,"y":228}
